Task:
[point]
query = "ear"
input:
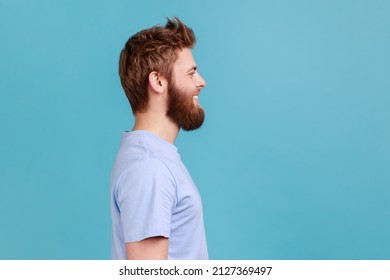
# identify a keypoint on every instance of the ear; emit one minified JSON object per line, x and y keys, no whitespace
{"x":156,"y":82}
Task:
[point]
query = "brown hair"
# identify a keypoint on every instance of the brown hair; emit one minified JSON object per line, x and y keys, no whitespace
{"x":153,"y":49}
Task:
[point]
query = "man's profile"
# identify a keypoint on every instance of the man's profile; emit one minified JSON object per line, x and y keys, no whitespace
{"x":156,"y":208}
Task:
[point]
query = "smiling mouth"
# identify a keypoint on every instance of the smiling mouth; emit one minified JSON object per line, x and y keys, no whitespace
{"x":195,"y":98}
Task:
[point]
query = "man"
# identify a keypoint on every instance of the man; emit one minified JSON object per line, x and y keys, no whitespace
{"x":156,"y":208}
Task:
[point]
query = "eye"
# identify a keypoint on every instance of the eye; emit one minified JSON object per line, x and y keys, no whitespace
{"x":192,"y":74}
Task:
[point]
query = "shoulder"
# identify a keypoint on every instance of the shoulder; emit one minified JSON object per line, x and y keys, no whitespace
{"x":149,"y":172}
{"x":149,"y":165}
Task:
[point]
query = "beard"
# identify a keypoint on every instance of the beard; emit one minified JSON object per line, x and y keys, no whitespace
{"x":182,"y":110}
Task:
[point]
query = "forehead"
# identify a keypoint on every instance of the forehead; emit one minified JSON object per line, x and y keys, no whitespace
{"x":185,"y":60}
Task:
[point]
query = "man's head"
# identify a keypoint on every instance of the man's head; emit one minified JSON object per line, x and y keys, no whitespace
{"x":165,"y":51}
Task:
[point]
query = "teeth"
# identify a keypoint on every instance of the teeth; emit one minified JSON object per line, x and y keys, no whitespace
{"x":195,"y":97}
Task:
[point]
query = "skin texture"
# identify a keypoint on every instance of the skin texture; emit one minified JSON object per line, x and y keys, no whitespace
{"x":188,"y":83}
{"x":154,"y":248}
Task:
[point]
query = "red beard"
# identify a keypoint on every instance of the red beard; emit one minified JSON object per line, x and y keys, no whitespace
{"x":182,"y":110}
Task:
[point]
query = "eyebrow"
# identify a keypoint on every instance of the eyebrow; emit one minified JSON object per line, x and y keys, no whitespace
{"x":193,"y":68}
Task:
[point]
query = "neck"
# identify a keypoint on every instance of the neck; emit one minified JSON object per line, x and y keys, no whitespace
{"x":157,"y":124}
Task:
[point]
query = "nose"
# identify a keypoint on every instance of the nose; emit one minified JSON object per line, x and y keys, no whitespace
{"x":201,"y":83}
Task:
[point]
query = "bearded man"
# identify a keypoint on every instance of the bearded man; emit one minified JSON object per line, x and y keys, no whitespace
{"x":156,"y":208}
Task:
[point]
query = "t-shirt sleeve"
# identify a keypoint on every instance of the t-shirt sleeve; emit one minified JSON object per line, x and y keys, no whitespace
{"x":146,"y":196}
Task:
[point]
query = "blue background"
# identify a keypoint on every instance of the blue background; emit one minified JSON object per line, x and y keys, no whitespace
{"x":293,"y":161}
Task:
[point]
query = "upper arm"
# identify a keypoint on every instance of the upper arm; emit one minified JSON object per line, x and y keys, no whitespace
{"x":146,"y":196}
{"x":153,"y":248}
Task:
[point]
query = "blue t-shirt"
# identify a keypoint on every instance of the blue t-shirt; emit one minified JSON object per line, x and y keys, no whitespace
{"x":152,"y":194}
